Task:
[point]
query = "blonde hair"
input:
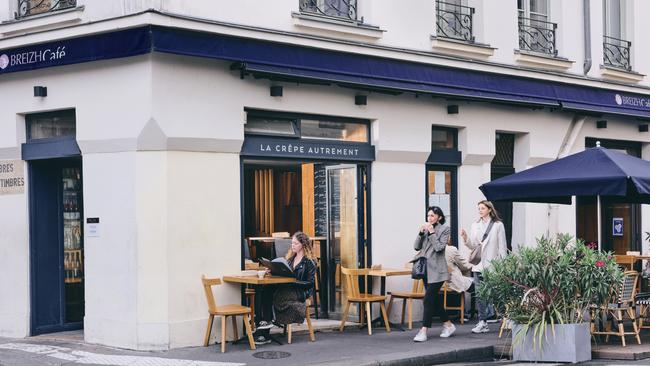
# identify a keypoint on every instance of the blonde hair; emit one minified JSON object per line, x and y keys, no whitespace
{"x":306,"y":246}
{"x":492,"y":211}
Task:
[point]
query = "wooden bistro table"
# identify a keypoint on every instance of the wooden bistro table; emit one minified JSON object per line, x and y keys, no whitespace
{"x":383,"y":273}
{"x":253,"y":280}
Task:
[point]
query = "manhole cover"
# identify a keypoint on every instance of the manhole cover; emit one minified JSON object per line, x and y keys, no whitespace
{"x":271,"y":355}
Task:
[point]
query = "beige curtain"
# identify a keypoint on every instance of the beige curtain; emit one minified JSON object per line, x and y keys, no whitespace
{"x":264,"y":201}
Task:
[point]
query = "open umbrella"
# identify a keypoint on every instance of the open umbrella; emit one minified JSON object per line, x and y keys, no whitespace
{"x":594,"y":172}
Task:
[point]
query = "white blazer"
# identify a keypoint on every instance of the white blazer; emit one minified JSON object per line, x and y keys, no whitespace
{"x":493,"y":247}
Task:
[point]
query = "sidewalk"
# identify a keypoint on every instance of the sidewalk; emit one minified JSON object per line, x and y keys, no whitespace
{"x":352,"y":347}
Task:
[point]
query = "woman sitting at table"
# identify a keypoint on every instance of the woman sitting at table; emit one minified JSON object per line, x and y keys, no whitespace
{"x":288,"y":301}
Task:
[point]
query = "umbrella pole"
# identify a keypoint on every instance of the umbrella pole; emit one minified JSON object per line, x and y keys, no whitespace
{"x":599,"y":223}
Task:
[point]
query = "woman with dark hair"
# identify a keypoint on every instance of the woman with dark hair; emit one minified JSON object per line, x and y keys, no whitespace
{"x":432,"y":242}
{"x":489,"y":234}
{"x":287,"y":302}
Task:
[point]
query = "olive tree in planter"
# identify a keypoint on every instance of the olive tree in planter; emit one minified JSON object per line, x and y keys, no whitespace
{"x":546,"y":291}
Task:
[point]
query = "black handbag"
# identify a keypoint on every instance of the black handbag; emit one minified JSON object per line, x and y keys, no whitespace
{"x":419,"y":270}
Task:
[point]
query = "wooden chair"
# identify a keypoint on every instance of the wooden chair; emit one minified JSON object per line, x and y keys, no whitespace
{"x":624,"y":303}
{"x":354,"y":295}
{"x":224,"y":311}
{"x":445,"y":289}
{"x":626,"y":261}
{"x":309,"y":327}
{"x":416,"y":293}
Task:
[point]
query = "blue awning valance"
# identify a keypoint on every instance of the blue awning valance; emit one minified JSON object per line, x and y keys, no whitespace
{"x":289,"y":61}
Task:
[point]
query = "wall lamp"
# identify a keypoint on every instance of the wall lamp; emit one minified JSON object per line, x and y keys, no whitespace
{"x":276,"y":91}
{"x":452,"y":109}
{"x":360,"y":99}
{"x":643,"y":127}
{"x":40,"y":91}
{"x":601,"y":124}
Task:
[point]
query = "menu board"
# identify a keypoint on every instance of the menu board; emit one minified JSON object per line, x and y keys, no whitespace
{"x":320,"y":200}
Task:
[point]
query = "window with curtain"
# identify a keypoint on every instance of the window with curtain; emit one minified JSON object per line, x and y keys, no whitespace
{"x":616,"y":49}
{"x":536,"y":32}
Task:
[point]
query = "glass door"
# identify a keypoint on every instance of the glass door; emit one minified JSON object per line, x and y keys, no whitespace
{"x":342,"y":223}
{"x":72,"y":243}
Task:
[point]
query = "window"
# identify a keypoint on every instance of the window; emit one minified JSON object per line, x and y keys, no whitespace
{"x":34,"y":7}
{"x":441,"y":181}
{"x":307,"y":127}
{"x":340,"y":9}
{"x":616,"y":50}
{"x":454,"y":20}
{"x":501,"y":166}
{"x":51,"y":125}
{"x":536,"y":33}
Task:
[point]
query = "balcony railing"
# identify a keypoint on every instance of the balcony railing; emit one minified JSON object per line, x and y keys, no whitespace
{"x":339,"y":9}
{"x":32,"y":7}
{"x":537,"y":36}
{"x":454,"y":21}
{"x":616,"y":53}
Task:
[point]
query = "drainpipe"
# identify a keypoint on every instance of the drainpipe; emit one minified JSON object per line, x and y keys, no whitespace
{"x":586,"y":16}
{"x":569,"y":140}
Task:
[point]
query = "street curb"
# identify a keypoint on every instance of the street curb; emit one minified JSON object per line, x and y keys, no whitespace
{"x":461,"y":355}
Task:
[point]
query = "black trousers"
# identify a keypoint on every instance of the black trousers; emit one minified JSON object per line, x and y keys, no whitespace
{"x":433,"y":304}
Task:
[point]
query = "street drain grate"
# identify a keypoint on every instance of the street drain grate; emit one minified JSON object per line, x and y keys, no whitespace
{"x":271,"y":355}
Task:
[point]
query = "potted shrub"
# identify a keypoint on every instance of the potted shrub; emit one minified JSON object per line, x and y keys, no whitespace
{"x":547,"y":291}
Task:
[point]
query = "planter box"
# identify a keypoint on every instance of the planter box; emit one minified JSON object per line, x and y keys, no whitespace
{"x":572,"y":343}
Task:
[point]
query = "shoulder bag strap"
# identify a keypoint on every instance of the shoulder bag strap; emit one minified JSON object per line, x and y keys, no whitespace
{"x":487,"y":231}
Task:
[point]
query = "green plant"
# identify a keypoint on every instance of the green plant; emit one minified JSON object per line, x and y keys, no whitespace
{"x":553,"y":283}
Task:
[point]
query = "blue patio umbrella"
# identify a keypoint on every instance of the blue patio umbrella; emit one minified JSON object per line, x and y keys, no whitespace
{"x":594,"y":172}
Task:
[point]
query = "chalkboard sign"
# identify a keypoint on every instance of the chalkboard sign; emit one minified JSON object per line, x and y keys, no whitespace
{"x":320,"y":200}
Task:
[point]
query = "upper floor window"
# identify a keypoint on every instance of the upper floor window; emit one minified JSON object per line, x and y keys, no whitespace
{"x":536,"y":33}
{"x":454,"y":20}
{"x":616,"y":50}
{"x":444,"y":138}
{"x":51,"y":125}
{"x":339,"y":9}
{"x":33,"y":7}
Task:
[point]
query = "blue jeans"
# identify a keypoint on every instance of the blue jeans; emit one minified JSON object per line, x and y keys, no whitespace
{"x":483,"y":307}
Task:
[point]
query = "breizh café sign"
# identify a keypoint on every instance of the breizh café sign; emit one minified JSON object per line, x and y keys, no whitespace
{"x":307,"y":149}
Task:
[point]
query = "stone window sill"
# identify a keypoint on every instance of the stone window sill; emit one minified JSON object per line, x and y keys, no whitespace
{"x":460,"y":48}
{"x":542,"y":61}
{"x":315,"y":22}
{"x":616,"y":74}
{"x":41,"y":21}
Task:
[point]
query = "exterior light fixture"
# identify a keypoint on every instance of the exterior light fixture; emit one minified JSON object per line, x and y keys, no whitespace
{"x":601,"y":124}
{"x":276,"y":91}
{"x":40,"y":91}
{"x":360,"y":99}
{"x":643,"y":127}
{"x":452,"y":109}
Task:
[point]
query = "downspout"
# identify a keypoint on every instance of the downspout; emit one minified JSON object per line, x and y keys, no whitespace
{"x":568,"y":142}
{"x":586,"y":16}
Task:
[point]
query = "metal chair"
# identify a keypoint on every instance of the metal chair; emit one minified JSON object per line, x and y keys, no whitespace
{"x":623,"y":304}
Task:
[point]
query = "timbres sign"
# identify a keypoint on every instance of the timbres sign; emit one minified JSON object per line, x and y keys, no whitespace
{"x":294,"y":148}
{"x":12,"y":177}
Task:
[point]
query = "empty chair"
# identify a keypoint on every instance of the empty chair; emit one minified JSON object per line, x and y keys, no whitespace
{"x":224,"y":311}
{"x":363,"y":298}
{"x":416,"y":293}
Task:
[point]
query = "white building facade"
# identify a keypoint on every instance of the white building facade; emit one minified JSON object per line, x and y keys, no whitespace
{"x":144,"y":142}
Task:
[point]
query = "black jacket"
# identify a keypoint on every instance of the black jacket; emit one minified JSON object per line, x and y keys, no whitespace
{"x":305,"y":273}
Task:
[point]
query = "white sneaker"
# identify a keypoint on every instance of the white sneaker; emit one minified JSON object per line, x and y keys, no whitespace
{"x":421,"y":336}
{"x":447,"y":331}
{"x":481,"y":327}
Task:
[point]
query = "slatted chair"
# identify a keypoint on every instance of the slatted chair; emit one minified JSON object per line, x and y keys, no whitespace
{"x":309,"y":326}
{"x":461,"y":307}
{"x":643,"y":302}
{"x":416,"y":293}
{"x":224,"y":311}
{"x":623,"y":304}
{"x":353,"y":294}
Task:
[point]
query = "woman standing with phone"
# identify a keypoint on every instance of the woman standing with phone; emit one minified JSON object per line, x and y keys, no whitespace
{"x":431,"y":242}
{"x":488,"y":237}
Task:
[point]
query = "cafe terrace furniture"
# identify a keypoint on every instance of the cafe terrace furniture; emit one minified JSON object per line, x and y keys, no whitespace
{"x":353,"y":295}
{"x":382,"y":273}
{"x":416,"y":293}
{"x":309,"y":326}
{"x":224,"y":311}
{"x":461,"y":307}
{"x":623,"y":304}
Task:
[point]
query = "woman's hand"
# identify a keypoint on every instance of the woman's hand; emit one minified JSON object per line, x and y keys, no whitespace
{"x":425,"y":227}
{"x":463,"y":235}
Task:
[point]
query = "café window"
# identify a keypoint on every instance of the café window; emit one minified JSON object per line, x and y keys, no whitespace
{"x":441,"y":175}
{"x":60,"y":124}
{"x":307,"y":127}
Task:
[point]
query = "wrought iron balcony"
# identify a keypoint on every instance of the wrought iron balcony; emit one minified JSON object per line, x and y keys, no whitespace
{"x":537,"y":36}
{"x":339,"y":9}
{"x":454,"y":21}
{"x":33,"y":7}
{"x":616,"y":53}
